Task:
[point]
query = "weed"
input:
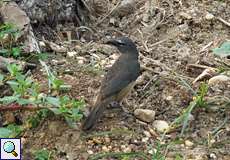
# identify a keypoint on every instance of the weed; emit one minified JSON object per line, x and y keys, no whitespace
{"x":157,"y":155}
{"x":53,"y":82}
{"x":42,"y":154}
{"x":198,"y":101}
{"x":8,"y":35}
{"x":26,"y":91}
{"x":10,"y":131}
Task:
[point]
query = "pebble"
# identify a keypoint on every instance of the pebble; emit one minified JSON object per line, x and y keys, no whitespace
{"x":107,"y":140}
{"x":218,"y":79}
{"x":105,"y":149}
{"x":145,"y":139}
{"x":213,"y":156}
{"x":209,"y":16}
{"x":188,"y":143}
{"x":90,"y":151}
{"x":185,"y":15}
{"x":145,"y":115}
{"x":147,"y":134}
{"x":160,"y":125}
{"x":71,"y":54}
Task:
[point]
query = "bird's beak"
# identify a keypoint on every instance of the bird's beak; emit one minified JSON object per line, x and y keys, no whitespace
{"x":112,"y":42}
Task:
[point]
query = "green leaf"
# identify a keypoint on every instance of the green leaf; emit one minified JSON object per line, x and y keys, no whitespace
{"x":42,"y":154}
{"x":1,"y":78}
{"x":4,"y":52}
{"x":223,"y":50}
{"x":56,"y":111}
{"x":23,"y":101}
{"x":9,"y":99}
{"x":42,"y":56}
{"x":5,"y":133}
{"x":16,"y":130}
{"x":53,"y":101}
{"x":16,"y":51}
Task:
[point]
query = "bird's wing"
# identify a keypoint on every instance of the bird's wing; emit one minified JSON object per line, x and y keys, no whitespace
{"x":117,"y":80}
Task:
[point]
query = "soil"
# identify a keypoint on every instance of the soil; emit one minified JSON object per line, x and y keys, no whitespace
{"x":175,"y":33}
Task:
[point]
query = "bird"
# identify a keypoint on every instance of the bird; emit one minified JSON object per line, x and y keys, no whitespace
{"x":119,"y":80}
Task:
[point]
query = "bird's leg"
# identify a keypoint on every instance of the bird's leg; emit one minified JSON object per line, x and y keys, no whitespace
{"x":124,"y":105}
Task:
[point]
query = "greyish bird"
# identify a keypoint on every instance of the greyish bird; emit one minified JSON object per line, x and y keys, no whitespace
{"x":118,"y":81}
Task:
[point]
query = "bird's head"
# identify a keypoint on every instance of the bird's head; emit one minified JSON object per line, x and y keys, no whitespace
{"x":124,"y":45}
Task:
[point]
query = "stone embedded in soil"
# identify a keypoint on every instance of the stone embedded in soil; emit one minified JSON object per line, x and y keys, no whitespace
{"x":90,"y":151}
{"x":218,"y":79}
{"x":147,"y":134}
{"x":71,"y":54}
{"x":209,"y":16}
{"x":160,"y":125}
{"x":145,"y":115}
{"x":188,"y":143}
{"x":105,"y":149}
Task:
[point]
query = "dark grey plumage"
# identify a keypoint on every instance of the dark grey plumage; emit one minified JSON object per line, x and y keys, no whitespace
{"x":118,"y":81}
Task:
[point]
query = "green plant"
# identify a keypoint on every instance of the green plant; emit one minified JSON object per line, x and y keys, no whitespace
{"x":42,"y":154}
{"x":34,"y":121}
{"x":27,"y":92}
{"x":157,"y":155}
{"x":10,"y":131}
{"x":53,"y":82}
{"x":223,"y":50}
{"x":198,"y":101}
{"x":69,"y":108}
{"x":8,"y":34}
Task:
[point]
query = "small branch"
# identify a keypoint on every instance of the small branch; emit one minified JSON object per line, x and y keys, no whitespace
{"x":108,"y":14}
{"x":223,"y":21}
{"x":16,"y":106}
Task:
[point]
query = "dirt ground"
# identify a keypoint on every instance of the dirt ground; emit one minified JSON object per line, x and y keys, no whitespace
{"x":175,"y":33}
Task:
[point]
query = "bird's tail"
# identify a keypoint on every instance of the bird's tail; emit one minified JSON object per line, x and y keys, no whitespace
{"x":94,"y":115}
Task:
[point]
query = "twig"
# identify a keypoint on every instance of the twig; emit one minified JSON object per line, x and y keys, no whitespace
{"x":144,"y":43}
{"x":16,"y":106}
{"x":206,"y":46}
{"x":108,"y":14}
{"x":223,"y":21}
{"x":199,"y":66}
{"x":154,"y":77}
{"x":158,"y":63}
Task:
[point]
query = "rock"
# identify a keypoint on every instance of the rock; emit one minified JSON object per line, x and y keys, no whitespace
{"x":209,"y":16}
{"x":71,"y":54}
{"x":90,"y":152}
{"x":185,"y":15}
{"x":125,"y":8}
{"x":145,"y":115}
{"x":145,"y":139}
{"x":147,"y":134}
{"x":160,"y":125}
{"x":213,"y":156}
{"x":56,"y":48}
{"x":188,"y":143}
{"x":218,"y":79}
{"x":105,"y":149}
{"x":81,"y":60}
{"x":13,"y":14}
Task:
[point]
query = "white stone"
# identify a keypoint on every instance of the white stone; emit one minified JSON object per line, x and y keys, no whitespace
{"x":160,"y":125}
{"x":145,"y":115}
